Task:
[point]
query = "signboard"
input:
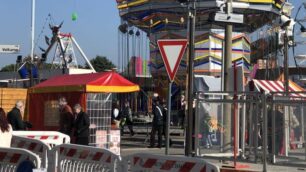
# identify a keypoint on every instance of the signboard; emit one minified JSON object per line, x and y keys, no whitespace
{"x":9,"y":49}
{"x":51,"y":113}
{"x":231,"y":18}
{"x":172,"y":51}
{"x":101,"y":138}
{"x":115,"y":141}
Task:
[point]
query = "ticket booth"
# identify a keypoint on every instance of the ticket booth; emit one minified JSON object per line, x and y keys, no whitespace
{"x":94,"y":93}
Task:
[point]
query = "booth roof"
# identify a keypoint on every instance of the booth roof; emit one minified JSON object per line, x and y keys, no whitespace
{"x":269,"y":86}
{"x":110,"y":82}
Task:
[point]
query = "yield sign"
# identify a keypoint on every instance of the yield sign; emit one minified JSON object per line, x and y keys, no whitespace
{"x":172,"y":51}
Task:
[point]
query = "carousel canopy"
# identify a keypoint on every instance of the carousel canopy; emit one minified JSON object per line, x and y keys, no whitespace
{"x":94,"y":82}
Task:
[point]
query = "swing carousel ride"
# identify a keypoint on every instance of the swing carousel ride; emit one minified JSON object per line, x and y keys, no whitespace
{"x":167,"y":19}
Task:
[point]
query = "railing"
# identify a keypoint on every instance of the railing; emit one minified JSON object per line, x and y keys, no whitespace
{"x":52,"y":138}
{"x":76,"y":158}
{"x":151,"y":162}
{"x":12,"y":159}
{"x":36,"y":146}
{"x":269,"y":127}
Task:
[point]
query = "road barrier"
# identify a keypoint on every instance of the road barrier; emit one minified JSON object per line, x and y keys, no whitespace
{"x":149,"y":162}
{"x":11,"y":158}
{"x":36,"y":146}
{"x":76,"y":158}
{"x":56,"y":156}
{"x":52,"y":138}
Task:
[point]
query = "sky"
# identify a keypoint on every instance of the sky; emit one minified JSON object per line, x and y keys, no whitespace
{"x":95,"y":29}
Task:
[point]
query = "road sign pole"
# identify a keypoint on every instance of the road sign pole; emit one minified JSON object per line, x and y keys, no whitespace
{"x":168,"y":119}
{"x":171,"y":51}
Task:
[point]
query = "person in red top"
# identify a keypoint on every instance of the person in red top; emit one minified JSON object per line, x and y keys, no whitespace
{"x":66,"y":117}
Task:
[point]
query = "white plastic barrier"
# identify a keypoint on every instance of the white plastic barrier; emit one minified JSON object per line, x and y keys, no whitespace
{"x":52,"y":138}
{"x":10,"y":158}
{"x":162,"y":163}
{"x":36,"y":146}
{"x":76,"y":158}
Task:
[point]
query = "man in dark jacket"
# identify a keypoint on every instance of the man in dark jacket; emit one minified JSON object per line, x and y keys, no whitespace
{"x":126,"y":118}
{"x":81,"y":125}
{"x":157,"y":124}
{"x":66,"y":117}
{"x":14,"y":117}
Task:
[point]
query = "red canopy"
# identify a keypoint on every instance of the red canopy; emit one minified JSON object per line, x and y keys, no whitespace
{"x":94,"y":82}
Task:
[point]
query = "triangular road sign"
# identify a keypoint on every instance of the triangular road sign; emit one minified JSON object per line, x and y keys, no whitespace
{"x":172,"y":51}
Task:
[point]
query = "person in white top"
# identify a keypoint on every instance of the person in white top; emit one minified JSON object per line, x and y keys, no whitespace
{"x":5,"y":130}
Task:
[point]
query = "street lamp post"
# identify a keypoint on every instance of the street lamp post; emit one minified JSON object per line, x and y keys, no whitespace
{"x":190,"y":126}
{"x":32,"y":42}
{"x":227,"y":65}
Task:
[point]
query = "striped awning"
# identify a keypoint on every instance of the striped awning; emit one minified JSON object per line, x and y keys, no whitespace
{"x":269,"y":86}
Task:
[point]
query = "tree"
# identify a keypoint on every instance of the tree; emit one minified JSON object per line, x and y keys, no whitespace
{"x":8,"y":68}
{"x":101,"y":63}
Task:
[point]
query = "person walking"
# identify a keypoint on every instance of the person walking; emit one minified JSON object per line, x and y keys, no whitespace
{"x":157,"y":125}
{"x":66,"y":117}
{"x":126,"y":118}
{"x":165,"y":120}
{"x":115,"y":118}
{"x":181,"y":113}
{"x":208,"y":130}
{"x":14,"y":117}
{"x":81,"y":125}
{"x":5,"y":130}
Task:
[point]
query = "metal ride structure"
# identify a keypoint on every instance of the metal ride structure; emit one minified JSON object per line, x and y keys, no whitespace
{"x":298,"y":39}
{"x":167,"y":19}
{"x":64,"y":56}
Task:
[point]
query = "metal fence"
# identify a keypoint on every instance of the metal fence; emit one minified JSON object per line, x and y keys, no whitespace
{"x":266,"y":127}
{"x":36,"y":146}
{"x":150,"y":162}
{"x":70,"y":157}
{"x":13,"y":159}
{"x":75,"y":158}
{"x":99,"y":109}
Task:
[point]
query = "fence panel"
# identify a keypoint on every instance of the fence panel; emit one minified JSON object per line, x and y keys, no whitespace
{"x":11,"y":158}
{"x":150,"y":162}
{"x":286,"y":126}
{"x":270,"y":127}
{"x":76,"y":158}
{"x":36,"y":146}
{"x":52,"y":138}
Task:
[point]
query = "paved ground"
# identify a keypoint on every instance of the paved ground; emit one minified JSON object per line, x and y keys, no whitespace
{"x":138,"y":144}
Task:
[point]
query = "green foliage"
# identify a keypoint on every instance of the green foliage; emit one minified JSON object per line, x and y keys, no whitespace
{"x":46,"y":66}
{"x":101,"y":63}
{"x":8,"y":68}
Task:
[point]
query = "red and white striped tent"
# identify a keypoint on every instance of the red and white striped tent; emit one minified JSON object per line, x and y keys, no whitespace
{"x":269,"y":86}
